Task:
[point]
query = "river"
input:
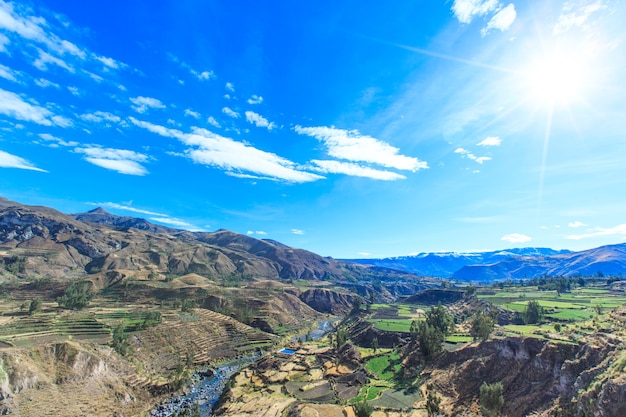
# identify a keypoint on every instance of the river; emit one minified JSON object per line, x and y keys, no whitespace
{"x":208,"y":385}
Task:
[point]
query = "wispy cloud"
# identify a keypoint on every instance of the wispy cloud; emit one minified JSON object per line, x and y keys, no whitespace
{"x":200,"y":75}
{"x":255,"y":99}
{"x":143,"y":104}
{"x":600,"y":231}
{"x":154,"y":216}
{"x":259,"y":121}
{"x":502,"y":17}
{"x":230,"y":112}
{"x":14,"y":106}
{"x":213,"y":122}
{"x":297,"y":231}
{"x":42,"y":82}
{"x":119,"y":160}
{"x":204,"y":75}
{"x":576,"y":13}
{"x":101,"y":116}
{"x":56,"y":142}
{"x":516,"y":238}
{"x":576,"y":224}
{"x":234,"y":157}
{"x":8,"y":73}
{"x":466,"y":10}
{"x":467,"y":154}
{"x":490,"y":141}
{"x":353,"y":146}
{"x":8,"y":160}
{"x":191,"y":113}
{"x":501,"y":21}
{"x":256,"y":232}
{"x":230,"y":87}
{"x":338,"y":167}
{"x":4,"y":41}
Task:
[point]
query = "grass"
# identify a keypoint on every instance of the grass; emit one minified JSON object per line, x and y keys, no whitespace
{"x":393,"y":325}
{"x":384,"y":366}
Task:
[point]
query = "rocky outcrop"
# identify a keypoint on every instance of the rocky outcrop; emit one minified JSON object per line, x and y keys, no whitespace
{"x":327,"y":301}
{"x":535,"y":374}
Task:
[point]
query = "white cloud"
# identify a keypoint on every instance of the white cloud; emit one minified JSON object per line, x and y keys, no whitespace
{"x":516,"y":238}
{"x":236,"y":158}
{"x":170,"y":221}
{"x":230,"y":113}
{"x":211,"y":120}
{"x":204,"y":75}
{"x":259,"y":121}
{"x":467,"y":154}
{"x":466,"y":10}
{"x":57,"y":141}
{"x":142,"y":104}
{"x":100,"y":116}
{"x":255,"y":99}
{"x":230,"y":87}
{"x":156,"y":217}
{"x":191,"y":113}
{"x":14,"y":106}
{"x":42,"y":82}
{"x":227,"y":96}
{"x":45,"y":58}
{"x":337,"y":167}
{"x":600,"y":231}
{"x":74,"y":90}
{"x":502,"y":20}
{"x":8,"y":160}
{"x":4,"y":41}
{"x":126,"y":207}
{"x":353,"y":146}
{"x":364,"y":254}
{"x":109,"y":62}
{"x":576,"y":224}
{"x":575,"y":14}
{"x":297,"y":231}
{"x":256,"y":232}
{"x":490,"y":141}
{"x":120,"y":160}
{"x":8,"y":73}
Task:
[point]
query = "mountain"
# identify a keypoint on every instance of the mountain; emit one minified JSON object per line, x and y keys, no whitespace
{"x":511,"y":263}
{"x":43,"y":242}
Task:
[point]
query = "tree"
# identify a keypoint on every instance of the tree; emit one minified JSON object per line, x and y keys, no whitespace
{"x":375,"y":344}
{"x":534,"y":312}
{"x":439,"y":318}
{"x":491,"y":399}
{"x":187,"y":306}
{"x":433,"y":401}
{"x":120,"y":340}
{"x":341,"y":337}
{"x":35,"y":305}
{"x":76,"y":297}
{"x":356,"y":304}
{"x":430,"y":339}
{"x":482,"y":326}
{"x":363,"y":409}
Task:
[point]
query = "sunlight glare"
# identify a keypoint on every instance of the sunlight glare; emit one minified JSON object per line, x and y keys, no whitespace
{"x":559,"y":78}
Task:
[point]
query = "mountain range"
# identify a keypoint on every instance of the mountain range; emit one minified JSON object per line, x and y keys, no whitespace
{"x":510,"y":263}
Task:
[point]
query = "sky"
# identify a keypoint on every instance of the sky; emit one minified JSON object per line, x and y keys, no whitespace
{"x":351,"y":129}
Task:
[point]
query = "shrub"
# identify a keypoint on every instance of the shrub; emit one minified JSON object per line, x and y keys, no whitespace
{"x":491,"y":399}
{"x":363,"y":409}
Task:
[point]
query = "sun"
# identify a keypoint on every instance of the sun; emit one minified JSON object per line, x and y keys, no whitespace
{"x":557,"y":78}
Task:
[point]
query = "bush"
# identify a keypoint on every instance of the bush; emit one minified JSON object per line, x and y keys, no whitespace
{"x":35,"y":305}
{"x":534,"y":313}
{"x":76,"y":297}
{"x":491,"y":399}
{"x":363,"y":409}
{"x":433,"y":402}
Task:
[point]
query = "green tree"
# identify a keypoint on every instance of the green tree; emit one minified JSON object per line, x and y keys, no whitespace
{"x":491,"y":399}
{"x":439,"y":318}
{"x":363,"y":409}
{"x":534,"y":312}
{"x":433,"y":401}
{"x":187,"y":306}
{"x":341,"y":337}
{"x":75,"y":297}
{"x":430,"y":339}
{"x":120,"y":340}
{"x":482,"y":326}
{"x":35,"y":305}
{"x":356,"y":304}
{"x":375,"y":344}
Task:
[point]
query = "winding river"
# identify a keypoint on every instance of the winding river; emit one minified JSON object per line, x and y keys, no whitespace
{"x":208,"y":385}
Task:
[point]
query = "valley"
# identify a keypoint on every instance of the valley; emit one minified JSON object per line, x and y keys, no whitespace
{"x":106,"y":315}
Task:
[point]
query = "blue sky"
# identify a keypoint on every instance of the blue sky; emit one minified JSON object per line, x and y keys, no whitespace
{"x":352,"y":129}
